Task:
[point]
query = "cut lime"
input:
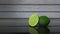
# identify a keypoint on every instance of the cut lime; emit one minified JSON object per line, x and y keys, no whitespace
{"x":44,"y":20}
{"x":33,"y":20}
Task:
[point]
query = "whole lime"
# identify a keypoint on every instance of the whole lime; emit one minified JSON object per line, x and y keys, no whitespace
{"x":44,"y":21}
{"x":33,"y":20}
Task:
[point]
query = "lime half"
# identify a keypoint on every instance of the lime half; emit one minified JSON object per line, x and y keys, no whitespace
{"x":33,"y":20}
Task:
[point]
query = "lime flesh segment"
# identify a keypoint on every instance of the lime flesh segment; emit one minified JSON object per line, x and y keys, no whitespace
{"x":33,"y":20}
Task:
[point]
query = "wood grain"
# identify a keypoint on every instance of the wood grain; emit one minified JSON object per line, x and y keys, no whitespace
{"x":29,"y":1}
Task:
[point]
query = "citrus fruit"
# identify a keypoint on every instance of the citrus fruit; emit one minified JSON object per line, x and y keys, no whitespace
{"x":33,"y":20}
{"x":44,"y":20}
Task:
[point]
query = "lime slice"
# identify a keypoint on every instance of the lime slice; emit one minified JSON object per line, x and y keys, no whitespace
{"x":32,"y":30}
{"x":33,"y":20}
{"x":44,"y":20}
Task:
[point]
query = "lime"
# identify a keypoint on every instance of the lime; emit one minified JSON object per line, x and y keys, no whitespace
{"x":33,"y":20}
{"x":44,"y":20}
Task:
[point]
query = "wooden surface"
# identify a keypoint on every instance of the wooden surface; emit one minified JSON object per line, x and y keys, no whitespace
{"x":28,"y":14}
{"x":25,"y":30}
{"x":29,"y":7}
{"x":24,"y":22}
{"x":29,"y":1}
{"x":25,"y":8}
{"x":10,"y":10}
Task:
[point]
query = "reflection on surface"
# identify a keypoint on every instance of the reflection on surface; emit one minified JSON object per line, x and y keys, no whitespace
{"x":33,"y":30}
{"x":39,"y":30}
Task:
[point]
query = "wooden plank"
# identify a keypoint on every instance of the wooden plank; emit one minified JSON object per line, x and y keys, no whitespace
{"x":13,"y":22}
{"x":24,"y":22}
{"x":28,"y":14}
{"x":54,"y":30}
{"x":29,"y":7}
{"x":13,"y":29}
{"x":29,"y":1}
